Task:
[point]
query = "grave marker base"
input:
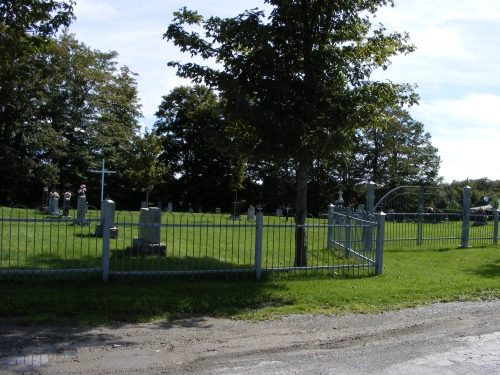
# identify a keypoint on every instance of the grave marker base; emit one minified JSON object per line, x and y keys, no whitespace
{"x":147,"y":248}
{"x":113,"y":231}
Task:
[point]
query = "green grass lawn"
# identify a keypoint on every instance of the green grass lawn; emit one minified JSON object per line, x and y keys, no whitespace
{"x":209,"y":242}
{"x":412,"y":276}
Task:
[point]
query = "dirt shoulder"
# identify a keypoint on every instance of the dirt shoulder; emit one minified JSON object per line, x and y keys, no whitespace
{"x":190,"y":345}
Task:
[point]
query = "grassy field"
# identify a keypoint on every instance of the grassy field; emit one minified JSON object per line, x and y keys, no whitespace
{"x":193,"y":243}
{"x":412,"y":277}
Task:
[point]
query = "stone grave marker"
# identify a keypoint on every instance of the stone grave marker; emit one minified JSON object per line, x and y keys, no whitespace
{"x":217,"y":210}
{"x":99,"y":227}
{"x":81,"y":210}
{"x":279,"y":212}
{"x":169,"y":207}
{"x":53,"y":206}
{"x":200,"y":210}
{"x":148,"y":242}
{"x":251,"y":213}
{"x":66,"y":204}
{"x":144,"y":205}
{"x":45,"y":196}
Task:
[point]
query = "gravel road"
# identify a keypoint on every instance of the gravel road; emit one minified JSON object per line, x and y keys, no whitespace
{"x":450,"y":338}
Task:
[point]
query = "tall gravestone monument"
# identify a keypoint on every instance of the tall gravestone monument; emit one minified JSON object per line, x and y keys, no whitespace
{"x":148,"y":241}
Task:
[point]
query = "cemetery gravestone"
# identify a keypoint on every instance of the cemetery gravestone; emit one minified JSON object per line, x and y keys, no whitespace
{"x":81,"y":210}
{"x":279,"y":212}
{"x":251,"y":213}
{"x":217,"y":210}
{"x":144,"y":205}
{"x":200,"y":210}
{"x":148,"y":242}
{"x":54,"y":206}
{"x":169,"y":207}
{"x":45,"y":196}
{"x":66,"y":204}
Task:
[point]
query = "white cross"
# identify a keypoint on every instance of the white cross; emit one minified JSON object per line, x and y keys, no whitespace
{"x":102,"y":171}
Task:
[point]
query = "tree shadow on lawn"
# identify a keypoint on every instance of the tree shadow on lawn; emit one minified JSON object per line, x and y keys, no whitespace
{"x":490,"y":270}
{"x":84,"y":299}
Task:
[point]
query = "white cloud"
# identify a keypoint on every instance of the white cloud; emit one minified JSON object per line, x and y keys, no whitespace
{"x":466,"y":132}
{"x":92,"y":10}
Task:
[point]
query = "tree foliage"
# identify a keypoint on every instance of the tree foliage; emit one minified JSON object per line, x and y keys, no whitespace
{"x":299,"y":81}
{"x":196,"y":146}
{"x":71,"y":109}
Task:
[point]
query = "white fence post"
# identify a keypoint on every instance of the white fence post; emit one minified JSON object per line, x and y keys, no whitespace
{"x":466,"y":217}
{"x":495,"y":228}
{"x":347,"y":248}
{"x":379,"y":251}
{"x":329,"y":239}
{"x":258,"y":244}
{"x":106,"y":236}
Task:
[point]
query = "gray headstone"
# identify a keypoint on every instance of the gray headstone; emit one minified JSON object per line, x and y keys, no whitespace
{"x":152,"y":217}
{"x":279,"y":212}
{"x":45,"y":196}
{"x":169,"y":207}
{"x":144,"y":205}
{"x":66,"y":206}
{"x":200,"y":210}
{"x":217,"y":210}
{"x":251,"y":213}
{"x":53,"y":205}
{"x":81,"y":209}
{"x":190,"y":210}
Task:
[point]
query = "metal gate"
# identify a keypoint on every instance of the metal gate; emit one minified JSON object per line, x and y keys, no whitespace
{"x":421,"y":215}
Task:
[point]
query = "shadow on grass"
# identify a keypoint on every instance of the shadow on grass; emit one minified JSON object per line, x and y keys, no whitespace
{"x":490,"y":271}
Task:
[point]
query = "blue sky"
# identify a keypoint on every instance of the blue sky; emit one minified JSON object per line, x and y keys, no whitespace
{"x":456,"y":65}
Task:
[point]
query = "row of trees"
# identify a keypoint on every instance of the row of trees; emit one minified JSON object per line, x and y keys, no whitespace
{"x":63,"y":108}
{"x":289,"y":117}
{"x":278,"y":128}
{"x":204,"y":161}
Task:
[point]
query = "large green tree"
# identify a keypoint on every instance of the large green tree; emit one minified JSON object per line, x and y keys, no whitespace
{"x":26,"y":30}
{"x":400,"y":152}
{"x":299,"y":81}
{"x":72,"y":108}
{"x":196,"y":147}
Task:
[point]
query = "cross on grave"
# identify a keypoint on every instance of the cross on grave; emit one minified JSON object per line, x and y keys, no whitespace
{"x":102,"y":171}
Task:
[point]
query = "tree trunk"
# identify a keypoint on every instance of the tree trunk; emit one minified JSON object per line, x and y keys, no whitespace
{"x":301,"y":214}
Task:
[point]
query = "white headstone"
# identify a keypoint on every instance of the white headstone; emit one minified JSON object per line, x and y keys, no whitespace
{"x":152,"y":217}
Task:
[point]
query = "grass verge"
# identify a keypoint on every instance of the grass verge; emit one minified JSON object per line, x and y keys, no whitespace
{"x":411,"y":277}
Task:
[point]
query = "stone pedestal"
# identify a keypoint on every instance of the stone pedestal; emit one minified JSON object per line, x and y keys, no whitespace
{"x":81,"y":210}
{"x":66,"y":207}
{"x":54,"y":206}
{"x":251,"y":213}
{"x":113,"y":231}
{"x":147,"y":248}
